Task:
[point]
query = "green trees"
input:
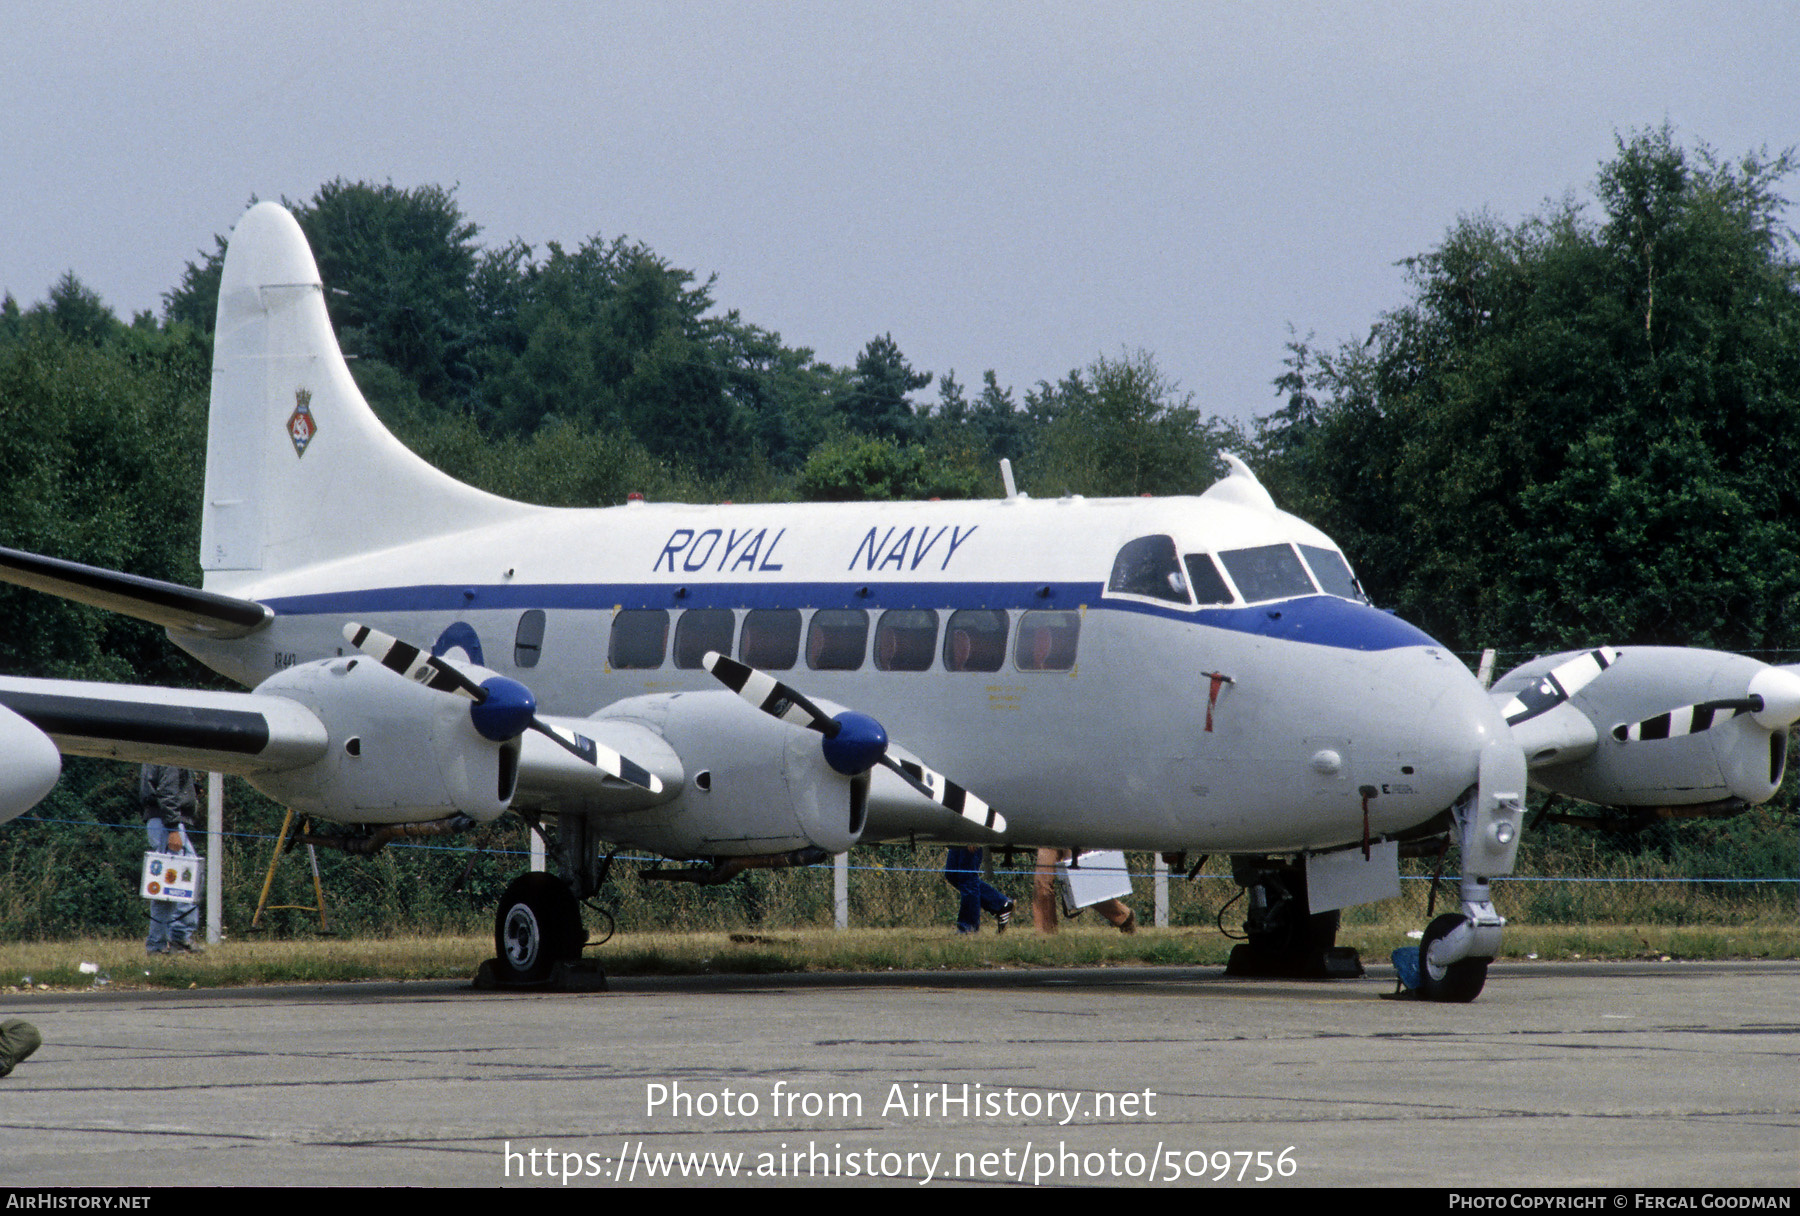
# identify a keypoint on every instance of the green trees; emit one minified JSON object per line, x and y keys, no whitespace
{"x":1119,"y":428}
{"x":1578,"y":427}
{"x":877,"y":403}
{"x":101,"y":453}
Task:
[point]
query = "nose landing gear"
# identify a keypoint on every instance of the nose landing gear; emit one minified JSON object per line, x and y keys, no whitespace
{"x":1456,"y":982}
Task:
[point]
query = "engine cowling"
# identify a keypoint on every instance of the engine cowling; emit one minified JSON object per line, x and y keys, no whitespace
{"x":398,"y":752}
{"x":1580,"y":741}
{"x":753,"y":786}
{"x":29,"y":765}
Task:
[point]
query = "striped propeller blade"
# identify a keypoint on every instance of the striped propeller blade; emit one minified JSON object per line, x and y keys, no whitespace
{"x":424,"y":668}
{"x":417,"y":665}
{"x":1686,"y":720}
{"x":947,"y":794}
{"x":602,"y":757}
{"x":1559,"y":684}
{"x":778,"y":700}
{"x":768,"y":694}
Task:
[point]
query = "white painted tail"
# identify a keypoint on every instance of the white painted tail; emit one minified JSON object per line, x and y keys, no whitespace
{"x":299,"y":470}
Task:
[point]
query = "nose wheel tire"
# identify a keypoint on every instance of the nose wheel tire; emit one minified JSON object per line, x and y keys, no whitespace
{"x":537,"y":925}
{"x":1460,"y":982}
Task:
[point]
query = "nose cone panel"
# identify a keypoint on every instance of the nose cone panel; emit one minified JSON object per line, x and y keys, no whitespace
{"x":1425,"y":713}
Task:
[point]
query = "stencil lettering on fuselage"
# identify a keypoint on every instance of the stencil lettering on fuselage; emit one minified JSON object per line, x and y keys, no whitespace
{"x":904,"y":548}
{"x":719,"y":550}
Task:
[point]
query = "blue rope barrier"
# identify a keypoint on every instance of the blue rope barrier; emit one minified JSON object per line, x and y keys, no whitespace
{"x":1133,"y":874}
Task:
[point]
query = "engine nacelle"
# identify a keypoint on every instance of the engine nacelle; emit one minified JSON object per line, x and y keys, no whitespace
{"x":398,"y":753}
{"x":1579,"y":740}
{"x":754,"y":785}
{"x":29,"y":765}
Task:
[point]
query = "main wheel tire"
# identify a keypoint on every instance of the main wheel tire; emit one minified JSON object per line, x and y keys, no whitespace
{"x":1462,"y":981}
{"x":537,"y":925}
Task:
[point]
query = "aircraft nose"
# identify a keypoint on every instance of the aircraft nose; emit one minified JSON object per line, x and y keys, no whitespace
{"x":1441,"y":715}
{"x":29,"y":765}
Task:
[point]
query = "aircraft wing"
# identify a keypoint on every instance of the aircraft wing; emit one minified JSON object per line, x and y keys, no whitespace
{"x":170,"y":605}
{"x":242,"y":733}
{"x":347,"y":741}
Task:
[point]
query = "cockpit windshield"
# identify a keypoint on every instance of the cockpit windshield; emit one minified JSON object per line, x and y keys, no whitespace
{"x":1149,"y":566}
{"x":1204,"y":579}
{"x":1267,"y":572}
{"x":1333,"y":573}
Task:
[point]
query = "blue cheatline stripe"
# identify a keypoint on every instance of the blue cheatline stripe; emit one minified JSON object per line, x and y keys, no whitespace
{"x":1320,"y":620}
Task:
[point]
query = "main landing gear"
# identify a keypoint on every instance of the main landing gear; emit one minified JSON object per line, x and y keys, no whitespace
{"x":537,"y":926}
{"x":538,"y":935}
{"x":1283,"y":939}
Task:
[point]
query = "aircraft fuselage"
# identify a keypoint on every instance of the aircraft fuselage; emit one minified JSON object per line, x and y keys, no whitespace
{"x":991,"y":639}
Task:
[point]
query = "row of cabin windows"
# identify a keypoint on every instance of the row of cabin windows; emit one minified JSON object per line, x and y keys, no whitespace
{"x":836,"y":639}
{"x":1148,"y":566}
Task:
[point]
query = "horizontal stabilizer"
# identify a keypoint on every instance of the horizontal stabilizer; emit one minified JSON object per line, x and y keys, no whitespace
{"x":171,"y":605}
{"x":242,"y":733}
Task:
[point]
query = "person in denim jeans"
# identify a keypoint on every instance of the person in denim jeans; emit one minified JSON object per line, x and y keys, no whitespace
{"x":962,"y":870}
{"x":166,"y":794}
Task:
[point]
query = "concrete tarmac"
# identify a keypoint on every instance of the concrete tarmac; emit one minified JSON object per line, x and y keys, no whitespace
{"x":1562,"y":1074}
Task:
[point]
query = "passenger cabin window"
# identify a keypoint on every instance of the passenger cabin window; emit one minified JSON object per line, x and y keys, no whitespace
{"x":639,"y":636}
{"x":837,"y":639}
{"x":528,"y":643}
{"x":700,"y":630}
{"x":1333,"y":573}
{"x":1267,"y":572}
{"x":771,"y":638}
{"x":1148,"y":566}
{"x":975,"y":640}
{"x":905,"y":639}
{"x":1047,"y":641}
{"x":1205,"y":580}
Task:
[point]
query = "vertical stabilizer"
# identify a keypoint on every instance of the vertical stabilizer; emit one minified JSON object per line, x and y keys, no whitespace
{"x":298,"y":468}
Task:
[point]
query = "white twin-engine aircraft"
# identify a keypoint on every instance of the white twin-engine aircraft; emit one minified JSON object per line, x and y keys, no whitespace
{"x":769,"y":684}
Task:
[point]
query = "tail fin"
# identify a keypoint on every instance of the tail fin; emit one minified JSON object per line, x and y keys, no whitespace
{"x":298,"y":468}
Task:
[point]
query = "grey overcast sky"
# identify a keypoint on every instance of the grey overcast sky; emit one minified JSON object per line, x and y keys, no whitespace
{"x":999,"y":185}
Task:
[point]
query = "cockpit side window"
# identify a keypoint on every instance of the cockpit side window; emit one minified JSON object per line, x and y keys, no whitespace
{"x":1267,"y":572}
{"x":1333,"y":573}
{"x":1148,"y":566}
{"x":1207,"y":583}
